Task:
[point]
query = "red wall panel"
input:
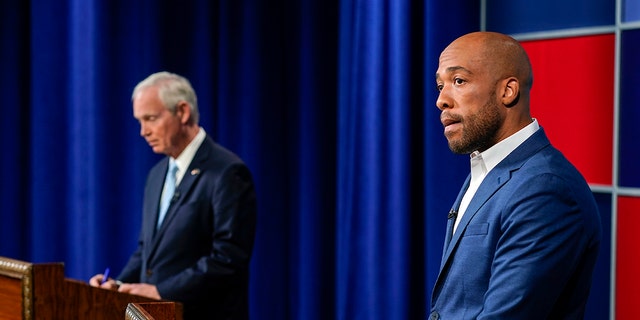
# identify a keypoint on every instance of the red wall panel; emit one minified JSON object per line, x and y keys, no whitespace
{"x":628,"y":259}
{"x":572,"y":98}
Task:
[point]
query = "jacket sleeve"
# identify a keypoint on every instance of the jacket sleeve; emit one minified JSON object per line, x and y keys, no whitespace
{"x":546,"y":237}
{"x":131,"y":271}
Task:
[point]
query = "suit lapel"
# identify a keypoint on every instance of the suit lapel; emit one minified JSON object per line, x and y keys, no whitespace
{"x":451,"y":220}
{"x":492,"y":182}
{"x":182,"y":190}
{"x":489,"y":186}
{"x":155,"y":185}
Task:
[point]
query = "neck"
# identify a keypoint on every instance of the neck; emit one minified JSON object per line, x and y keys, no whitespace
{"x":186,"y":136}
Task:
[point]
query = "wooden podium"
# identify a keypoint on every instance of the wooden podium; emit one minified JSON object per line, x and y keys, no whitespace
{"x":152,"y":311}
{"x":30,"y":291}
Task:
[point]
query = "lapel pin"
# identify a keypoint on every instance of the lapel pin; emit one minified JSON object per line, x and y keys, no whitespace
{"x":195,"y":171}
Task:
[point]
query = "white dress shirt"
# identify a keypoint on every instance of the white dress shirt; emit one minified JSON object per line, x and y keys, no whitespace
{"x":482,"y":163}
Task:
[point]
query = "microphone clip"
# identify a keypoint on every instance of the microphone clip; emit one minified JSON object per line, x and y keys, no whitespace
{"x":176,"y":196}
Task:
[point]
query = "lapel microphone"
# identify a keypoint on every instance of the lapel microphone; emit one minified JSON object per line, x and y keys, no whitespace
{"x":176,"y":196}
{"x":452,"y":214}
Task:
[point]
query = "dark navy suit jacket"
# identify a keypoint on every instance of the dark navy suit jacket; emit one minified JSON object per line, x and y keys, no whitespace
{"x":200,"y":255}
{"x":526,"y":246}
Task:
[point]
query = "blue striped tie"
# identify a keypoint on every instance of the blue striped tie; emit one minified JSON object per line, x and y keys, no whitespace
{"x":167,"y":192}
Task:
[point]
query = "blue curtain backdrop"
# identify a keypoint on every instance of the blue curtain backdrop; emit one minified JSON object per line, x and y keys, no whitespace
{"x":330,"y":102}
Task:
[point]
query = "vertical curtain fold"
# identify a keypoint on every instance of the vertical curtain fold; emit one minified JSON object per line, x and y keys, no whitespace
{"x":48,"y":123}
{"x":374,"y":166}
{"x":14,"y":130}
{"x":81,"y":133}
{"x":313,"y":47}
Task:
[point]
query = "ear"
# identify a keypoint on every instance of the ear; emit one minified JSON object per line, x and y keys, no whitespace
{"x":511,"y":93}
{"x":183,"y":112}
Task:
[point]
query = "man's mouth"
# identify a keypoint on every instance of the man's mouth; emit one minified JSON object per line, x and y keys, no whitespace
{"x":449,"y":123}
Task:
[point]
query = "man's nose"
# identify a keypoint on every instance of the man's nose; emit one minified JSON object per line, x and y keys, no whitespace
{"x":444,"y":100}
{"x":143,"y":130}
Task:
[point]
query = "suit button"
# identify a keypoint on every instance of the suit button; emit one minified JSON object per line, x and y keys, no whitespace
{"x":434,"y":315}
{"x":149,"y":272}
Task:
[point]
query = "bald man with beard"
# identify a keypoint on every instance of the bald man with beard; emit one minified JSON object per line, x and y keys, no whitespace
{"x":524,"y":233}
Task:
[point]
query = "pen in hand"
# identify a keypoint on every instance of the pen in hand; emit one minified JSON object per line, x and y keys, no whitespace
{"x":105,"y":277}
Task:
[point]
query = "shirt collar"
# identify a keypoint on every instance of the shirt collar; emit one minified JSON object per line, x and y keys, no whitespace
{"x":184,"y":159}
{"x":502,"y":149}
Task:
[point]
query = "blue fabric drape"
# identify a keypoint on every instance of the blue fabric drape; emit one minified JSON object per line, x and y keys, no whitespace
{"x":330,"y":103}
{"x":376,"y":206}
{"x":14,"y":130}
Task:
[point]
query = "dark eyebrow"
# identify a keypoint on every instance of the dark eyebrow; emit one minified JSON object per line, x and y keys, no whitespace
{"x":454,"y":69}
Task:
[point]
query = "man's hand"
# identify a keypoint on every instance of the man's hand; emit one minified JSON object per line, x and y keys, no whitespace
{"x":141,"y":289}
{"x":96,"y":281}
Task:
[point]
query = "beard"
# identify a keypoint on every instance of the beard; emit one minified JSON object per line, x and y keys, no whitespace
{"x":479,"y":130}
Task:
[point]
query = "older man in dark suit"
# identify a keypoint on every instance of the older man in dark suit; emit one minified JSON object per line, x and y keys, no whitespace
{"x":199,"y":211}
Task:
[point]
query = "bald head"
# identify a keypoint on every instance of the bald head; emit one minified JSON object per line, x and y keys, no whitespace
{"x":484,"y":79}
{"x":500,"y":54}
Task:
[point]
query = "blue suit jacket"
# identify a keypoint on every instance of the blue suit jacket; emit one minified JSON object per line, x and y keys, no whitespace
{"x":200,"y":255}
{"x":527,"y":244}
